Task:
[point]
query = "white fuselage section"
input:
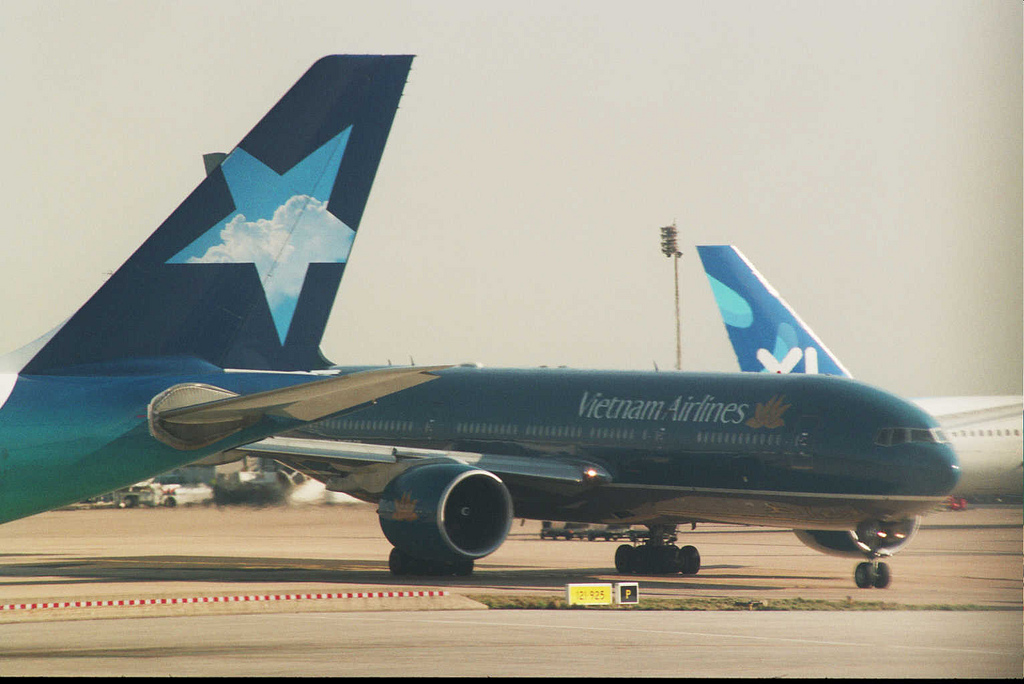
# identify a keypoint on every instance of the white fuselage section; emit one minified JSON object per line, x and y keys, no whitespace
{"x":988,"y":436}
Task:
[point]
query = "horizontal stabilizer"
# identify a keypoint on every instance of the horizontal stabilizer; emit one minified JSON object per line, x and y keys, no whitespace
{"x":190,"y":416}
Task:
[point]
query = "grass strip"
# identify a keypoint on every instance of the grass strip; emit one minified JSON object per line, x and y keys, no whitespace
{"x":540,"y":602}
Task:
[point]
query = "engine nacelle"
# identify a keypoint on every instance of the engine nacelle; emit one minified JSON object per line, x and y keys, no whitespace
{"x":446,"y":511}
{"x":872,"y":538}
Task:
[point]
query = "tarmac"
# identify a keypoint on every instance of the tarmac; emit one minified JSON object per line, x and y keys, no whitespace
{"x":958,"y":557}
{"x":191,"y":566}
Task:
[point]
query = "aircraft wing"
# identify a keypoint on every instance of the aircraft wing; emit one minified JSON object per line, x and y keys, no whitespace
{"x":193,"y":415}
{"x":363,"y":470}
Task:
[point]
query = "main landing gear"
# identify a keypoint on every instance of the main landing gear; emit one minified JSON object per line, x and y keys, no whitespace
{"x":401,"y":563}
{"x":658,"y":555}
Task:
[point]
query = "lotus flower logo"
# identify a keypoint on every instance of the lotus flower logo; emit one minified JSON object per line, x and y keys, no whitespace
{"x":405,"y":508}
{"x":769,"y":414}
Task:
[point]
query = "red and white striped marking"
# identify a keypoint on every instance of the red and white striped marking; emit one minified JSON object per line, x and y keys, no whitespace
{"x":219,"y":599}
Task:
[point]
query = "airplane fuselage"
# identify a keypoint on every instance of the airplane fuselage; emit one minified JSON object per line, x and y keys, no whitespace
{"x":679,"y":447}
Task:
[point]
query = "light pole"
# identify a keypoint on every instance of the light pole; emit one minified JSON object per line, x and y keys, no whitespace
{"x":669,"y":249}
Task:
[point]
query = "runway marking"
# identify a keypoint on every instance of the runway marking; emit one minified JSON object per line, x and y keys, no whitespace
{"x":631,"y":630}
{"x":218,"y":599}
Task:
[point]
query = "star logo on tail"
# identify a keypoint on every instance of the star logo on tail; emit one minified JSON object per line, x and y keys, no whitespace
{"x":280,"y":224}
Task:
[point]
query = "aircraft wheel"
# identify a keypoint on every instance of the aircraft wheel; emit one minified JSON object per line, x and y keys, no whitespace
{"x":882,"y":576}
{"x":625,"y":559}
{"x":398,"y":563}
{"x":668,"y":560}
{"x":689,"y":560}
{"x":864,"y":575}
{"x":646,"y":561}
{"x":463,"y":568}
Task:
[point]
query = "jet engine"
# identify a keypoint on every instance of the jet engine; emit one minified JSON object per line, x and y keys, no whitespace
{"x":871,"y":538}
{"x":441,"y":516}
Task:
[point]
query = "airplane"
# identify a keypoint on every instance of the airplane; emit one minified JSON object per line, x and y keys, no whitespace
{"x":204,"y":339}
{"x":451,"y":463}
{"x":767,"y":335}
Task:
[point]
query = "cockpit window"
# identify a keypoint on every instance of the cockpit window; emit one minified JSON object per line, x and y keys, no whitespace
{"x":893,"y":436}
{"x":933,"y":436}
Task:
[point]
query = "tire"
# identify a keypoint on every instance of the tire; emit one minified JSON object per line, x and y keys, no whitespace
{"x":669,"y":560}
{"x":625,"y":559}
{"x":689,"y":560}
{"x":397,"y":563}
{"x":463,"y":568}
{"x":864,"y":575}
{"x":882,"y":576}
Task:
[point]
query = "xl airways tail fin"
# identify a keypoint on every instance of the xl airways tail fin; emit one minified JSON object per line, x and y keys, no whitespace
{"x":244,"y":272}
{"x":766,"y":334}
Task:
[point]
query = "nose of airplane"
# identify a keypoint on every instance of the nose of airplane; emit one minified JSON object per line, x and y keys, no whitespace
{"x":928,"y":469}
{"x":942,"y":471}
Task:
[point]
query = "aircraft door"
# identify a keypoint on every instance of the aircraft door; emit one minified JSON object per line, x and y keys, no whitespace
{"x":802,"y":456}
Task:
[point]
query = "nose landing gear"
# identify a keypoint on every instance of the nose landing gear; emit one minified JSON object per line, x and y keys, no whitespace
{"x":880,"y":540}
{"x":873,"y":573}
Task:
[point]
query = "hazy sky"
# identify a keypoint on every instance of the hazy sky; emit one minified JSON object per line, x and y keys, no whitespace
{"x":866,"y":156}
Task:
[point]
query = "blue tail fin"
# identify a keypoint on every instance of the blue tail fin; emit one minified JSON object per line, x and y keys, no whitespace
{"x":766,"y":334}
{"x":244,"y":273}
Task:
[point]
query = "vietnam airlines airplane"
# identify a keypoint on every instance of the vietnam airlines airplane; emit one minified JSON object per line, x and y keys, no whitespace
{"x":172,"y":359}
{"x":450,"y":463}
{"x":768,"y":336}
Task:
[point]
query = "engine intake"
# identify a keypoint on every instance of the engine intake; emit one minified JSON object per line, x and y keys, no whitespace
{"x":872,"y":538}
{"x":446,"y":511}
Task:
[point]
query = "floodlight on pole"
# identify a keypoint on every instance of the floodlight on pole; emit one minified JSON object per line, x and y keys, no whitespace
{"x":669,"y":249}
